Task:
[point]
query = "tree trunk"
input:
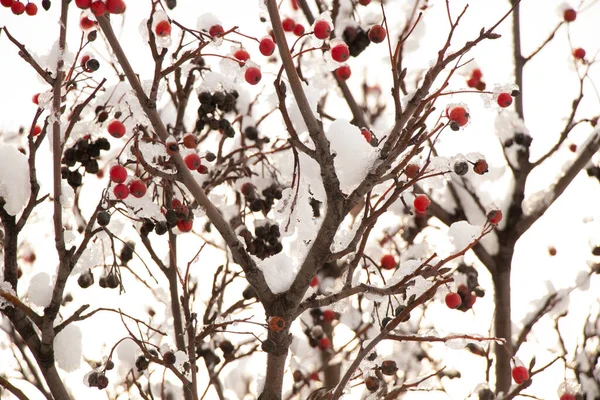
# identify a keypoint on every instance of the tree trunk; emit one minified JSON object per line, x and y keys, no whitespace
{"x":274,"y":379}
{"x":503,"y":324}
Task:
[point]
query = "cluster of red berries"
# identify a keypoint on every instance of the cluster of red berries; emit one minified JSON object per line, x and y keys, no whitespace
{"x":179,"y":215}
{"x":289,"y":25}
{"x":475,"y":80}
{"x":136,"y":187}
{"x":265,"y":242}
{"x":85,"y":152}
{"x":316,"y":335}
{"x":99,"y":7}
{"x":212,"y":109}
{"x":19,"y":8}
{"x":463,"y":299}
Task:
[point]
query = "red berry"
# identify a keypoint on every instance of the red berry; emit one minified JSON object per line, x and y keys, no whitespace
{"x":315,"y":281}
{"x":6,"y":3}
{"x":31,"y":9}
{"x":163,"y":28}
{"x":579,"y":53}
{"x":115,"y":6}
{"x":324,"y":344}
{"x":137,"y":188}
{"x":116,"y":129}
{"x":343,"y":72}
{"x":266,"y":46}
{"x":17,"y":8}
{"x":216,"y":31}
{"x":480,"y":167}
{"x":377,"y":34}
{"x":340,"y":52}
{"x":193,"y":161}
{"x":573,"y":147}
{"x":364,"y":2}
{"x":121,"y":191}
{"x":299,"y":30}
{"x":472,"y":82}
{"x":329,"y":315}
{"x":459,"y":114}
{"x":288,"y":24}
{"x":494,"y":217}
{"x":314,"y":376}
{"x":388,"y":262}
{"x":567,"y":396}
{"x":185,"y":225}
{"x":98,"y":8}
{"x":252,"y":75}
{"x":477,"y":74}
{"x":176,"y":204}
{"x":411,"y":170}
{"x":421,"y":203}
{"x":35,"y":98}
{"x":118,"y":173}
{"x":504,"y":100}
{"x":83,"y":4}
{"x":366,"y":134}
{"x":85,"y":23}
{"x":36,"y":130}
{"x":203,"y":169}
{"x":520,"y":374}
{"x":570,"y":15}
{"x":241,"y":55}
{"x":295,"y":4}
{"x":453,"y":300}
{"x":322,"y":29}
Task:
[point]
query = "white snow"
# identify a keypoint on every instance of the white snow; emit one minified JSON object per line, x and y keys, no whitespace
{"x":68,"y":348}
{"x":40,"y":289}
{"x":14,"y":179}
{"x":462,"y":234}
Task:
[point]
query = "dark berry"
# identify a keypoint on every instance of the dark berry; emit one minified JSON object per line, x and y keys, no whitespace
{"x":103,"y":218}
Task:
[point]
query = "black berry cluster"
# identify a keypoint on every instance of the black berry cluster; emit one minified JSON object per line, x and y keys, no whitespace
{"x":110,"y":281}
{"x":265,"y":242}
{"x":593,"y":171}
{"x":149,"y":225}
{"x":85,"y":152}
{"x":520,"y":139}
{"x":356,"y":39}
{"x":97,"y":379}
{"x":262,"y":203}
{"x":212,"y":108}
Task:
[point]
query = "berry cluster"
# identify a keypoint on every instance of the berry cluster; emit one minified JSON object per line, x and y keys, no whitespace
{"x":19,"y":8}
{"x":136,"y":187}
{"x":98,"y":380}
{"x":521,"y":139}
{"x":356,"y":39}
{"x":209,"y":115}
{"x":265,"y":242}
{"x":255,"y":202}
{"x":99,"y":7}
{"x":316,"y":335}
{"x":475,"y":81}
{"x":85,"y":152}
{"x":179,"y":215}
{"x":399,"y":310}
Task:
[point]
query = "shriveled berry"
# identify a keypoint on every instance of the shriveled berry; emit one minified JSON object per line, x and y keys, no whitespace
{"x":372,"y":383}
{"x":461,"y":168}
{"x":169,"y":358}
{"x":142,"y":363}
{"x":86,"y":279}
{"x":411,"y":170}
{"x":389,"y":367}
